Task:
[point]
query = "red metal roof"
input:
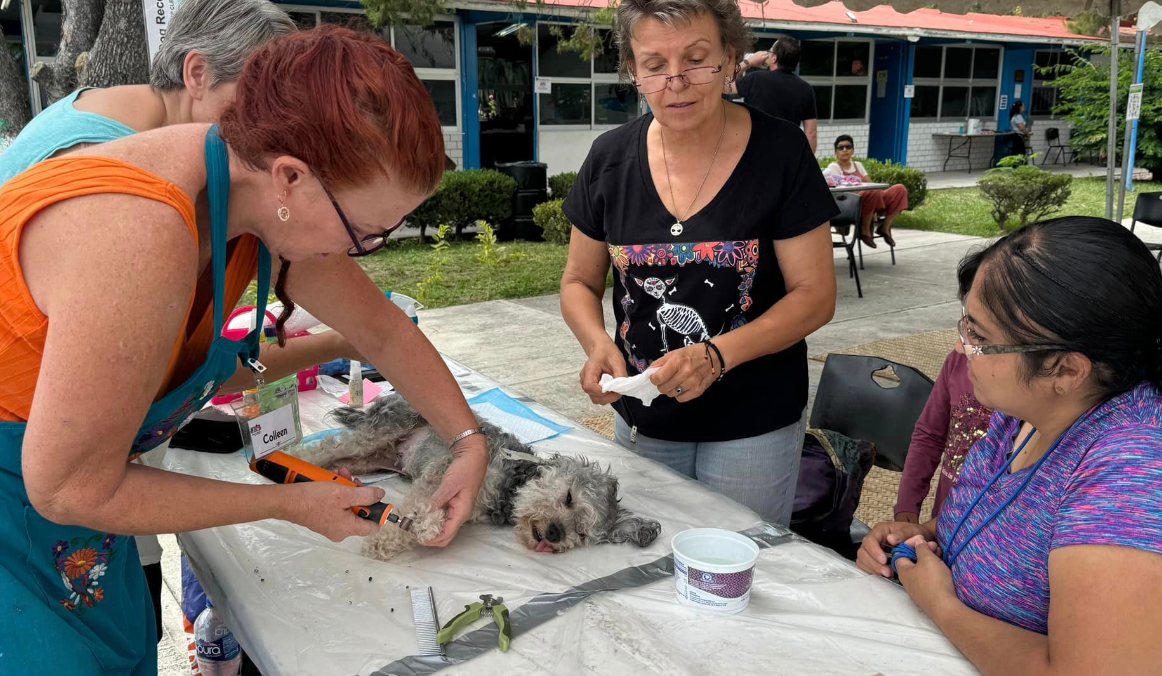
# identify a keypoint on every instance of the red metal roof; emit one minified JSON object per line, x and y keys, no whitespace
{"x":885,"y":17}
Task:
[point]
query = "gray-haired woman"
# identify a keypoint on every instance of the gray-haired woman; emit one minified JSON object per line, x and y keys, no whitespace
{"x":713,"y":216}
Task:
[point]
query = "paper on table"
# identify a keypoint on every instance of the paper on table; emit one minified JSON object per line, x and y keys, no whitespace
{"x":370,"y":392}
{"x":514,"y":417}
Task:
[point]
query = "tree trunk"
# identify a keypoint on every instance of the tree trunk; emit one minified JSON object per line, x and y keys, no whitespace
{"x":120,"y":55}
{"x":14,"y":108}
{"x":80,"y":26}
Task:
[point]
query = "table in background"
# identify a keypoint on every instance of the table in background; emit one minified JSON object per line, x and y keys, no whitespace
{"x":966,"y":143}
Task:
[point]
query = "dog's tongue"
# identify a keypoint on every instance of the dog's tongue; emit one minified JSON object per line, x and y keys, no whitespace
{"x":544,"y":546}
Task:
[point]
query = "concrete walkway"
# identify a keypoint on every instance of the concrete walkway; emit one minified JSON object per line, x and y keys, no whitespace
{"x":963,"y":179}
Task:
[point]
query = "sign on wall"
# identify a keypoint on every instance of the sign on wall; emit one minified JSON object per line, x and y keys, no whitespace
{"x":158,"y":14}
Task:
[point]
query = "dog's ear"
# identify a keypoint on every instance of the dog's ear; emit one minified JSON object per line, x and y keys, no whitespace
{"x":635,"y":529}
{"x":347,"y":417}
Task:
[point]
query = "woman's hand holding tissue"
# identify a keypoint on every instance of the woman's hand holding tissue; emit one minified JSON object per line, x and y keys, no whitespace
{"x":684,"y":374}
{"x":604,"y":358}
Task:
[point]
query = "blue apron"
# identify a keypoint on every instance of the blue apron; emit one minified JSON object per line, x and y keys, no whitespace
{"x":75,"y":601}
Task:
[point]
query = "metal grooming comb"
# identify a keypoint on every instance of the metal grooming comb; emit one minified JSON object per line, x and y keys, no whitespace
{"x":427,"y":624}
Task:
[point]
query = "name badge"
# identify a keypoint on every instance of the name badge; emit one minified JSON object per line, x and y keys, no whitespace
{"x":273,"y":431}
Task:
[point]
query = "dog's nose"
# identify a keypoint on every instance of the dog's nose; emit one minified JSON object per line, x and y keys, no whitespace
{"x":554,"y":533}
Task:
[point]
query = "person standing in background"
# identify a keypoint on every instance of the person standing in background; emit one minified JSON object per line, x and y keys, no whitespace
{"x":778,"y":92}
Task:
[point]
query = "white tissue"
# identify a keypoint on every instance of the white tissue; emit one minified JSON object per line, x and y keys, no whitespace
{"x":635,"y":386}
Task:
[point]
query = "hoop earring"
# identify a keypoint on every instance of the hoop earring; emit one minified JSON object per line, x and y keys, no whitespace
{"x":283,"y":210}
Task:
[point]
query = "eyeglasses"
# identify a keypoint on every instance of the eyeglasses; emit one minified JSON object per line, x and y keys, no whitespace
{"x":369,"y":244}
{"x":651,"y":84}
{"x":845,"y":147}
{"x":974,"y":350}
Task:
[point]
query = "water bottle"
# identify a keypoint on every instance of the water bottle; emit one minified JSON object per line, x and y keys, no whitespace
{"x":218,"y":652}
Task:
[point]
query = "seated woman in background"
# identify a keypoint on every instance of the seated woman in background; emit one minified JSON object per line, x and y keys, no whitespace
{"x":889,"y":202}
{"x":1047,"y":556}
{"x":952,"y":421}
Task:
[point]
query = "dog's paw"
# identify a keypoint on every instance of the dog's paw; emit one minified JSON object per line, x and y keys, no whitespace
{"x":630,"y":528}
{"x":387,"y":543}
{"x":427,"y":525}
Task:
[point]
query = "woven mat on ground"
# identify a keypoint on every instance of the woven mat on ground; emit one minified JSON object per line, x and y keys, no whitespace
{"x":601,"y":424}
{"x":878,"y":501}
{"x":925,"y":352}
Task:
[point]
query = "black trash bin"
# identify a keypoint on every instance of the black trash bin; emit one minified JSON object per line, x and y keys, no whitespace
{"x":532,"y":188}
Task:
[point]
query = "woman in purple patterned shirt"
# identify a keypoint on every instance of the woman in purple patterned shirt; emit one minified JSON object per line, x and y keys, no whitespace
{"x":1047,"y":555}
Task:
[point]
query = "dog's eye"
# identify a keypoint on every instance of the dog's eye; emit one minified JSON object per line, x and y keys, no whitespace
{"x":569,"y":499}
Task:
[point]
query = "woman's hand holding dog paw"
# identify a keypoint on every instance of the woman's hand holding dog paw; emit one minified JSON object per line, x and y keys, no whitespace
{"x":326,"y":508}
{"x":461,"y":485}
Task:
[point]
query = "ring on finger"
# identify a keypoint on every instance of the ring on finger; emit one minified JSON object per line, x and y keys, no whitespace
{"x":679,"y":389}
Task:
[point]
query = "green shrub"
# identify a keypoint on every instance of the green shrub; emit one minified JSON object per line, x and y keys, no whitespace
{"x":561,"y":184}
{"x":552,"y":220}
{"x":1027,"y":193}
{"x":889,"y":172}
{"x":912,"y":179}
{"x":465,"y":197}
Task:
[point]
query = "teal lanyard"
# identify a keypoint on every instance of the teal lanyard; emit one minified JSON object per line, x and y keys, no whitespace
{"x":952,"y":553}
{"x":218,"y":186}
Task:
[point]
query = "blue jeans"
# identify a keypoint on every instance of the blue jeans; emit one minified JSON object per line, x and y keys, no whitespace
{"x":759,"y":472}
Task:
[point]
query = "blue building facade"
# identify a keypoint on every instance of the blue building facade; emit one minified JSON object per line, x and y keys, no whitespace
{"x":502,"y":98}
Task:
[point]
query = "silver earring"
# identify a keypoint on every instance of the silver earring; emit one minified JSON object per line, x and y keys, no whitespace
{"x":283,"y":210}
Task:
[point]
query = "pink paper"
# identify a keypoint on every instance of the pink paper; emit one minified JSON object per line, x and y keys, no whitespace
{"x":370,"y":392}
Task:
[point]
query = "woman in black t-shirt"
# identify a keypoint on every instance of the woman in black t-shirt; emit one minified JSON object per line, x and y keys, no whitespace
{"x":713,"y":217}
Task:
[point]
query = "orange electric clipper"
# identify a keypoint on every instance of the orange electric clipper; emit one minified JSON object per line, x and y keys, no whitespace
{"x":286,"y":469}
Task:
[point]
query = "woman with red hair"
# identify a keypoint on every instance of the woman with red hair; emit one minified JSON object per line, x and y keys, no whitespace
{"x":118,"y":263}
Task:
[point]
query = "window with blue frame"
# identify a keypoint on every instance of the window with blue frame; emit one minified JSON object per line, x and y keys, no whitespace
{"x":586,"y":93}
{"x":955,"y":82}
{"x":434,"y":52}
{"x":1046,"y":65}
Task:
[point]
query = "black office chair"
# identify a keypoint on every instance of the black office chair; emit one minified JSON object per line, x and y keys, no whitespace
{"x":851,"y":401}
{"x":845,"y":226}
{"x":1148,"y":211}
{"x":1053,"y":137}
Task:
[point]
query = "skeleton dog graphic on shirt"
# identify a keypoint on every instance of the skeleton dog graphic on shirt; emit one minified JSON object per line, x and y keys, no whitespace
{"x":681,"y":319}
{"x":716,"y":285}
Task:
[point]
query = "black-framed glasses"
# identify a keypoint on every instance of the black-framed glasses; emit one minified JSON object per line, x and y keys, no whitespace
{"x":845,"y":146}
{"x":702,"y":75}
{"x":975,"y":350}
{"x":367,"y":245}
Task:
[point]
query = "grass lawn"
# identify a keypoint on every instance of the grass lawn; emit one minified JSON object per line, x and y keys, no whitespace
{"x":964,"y":211}
{"x":404,"y":264}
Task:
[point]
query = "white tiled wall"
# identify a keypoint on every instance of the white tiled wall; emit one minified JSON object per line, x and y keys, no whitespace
{"x":1040,"y":145}
{"x":454,"y":147}
{"x":565,"y":149}
{"x":927,"y":153}
{"x":828,"y":133}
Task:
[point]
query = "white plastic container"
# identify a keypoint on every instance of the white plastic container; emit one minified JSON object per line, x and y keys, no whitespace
{"x":713,"y":569}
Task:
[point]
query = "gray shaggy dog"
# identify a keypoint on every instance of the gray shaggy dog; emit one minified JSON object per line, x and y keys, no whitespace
{"x":556,"y":503}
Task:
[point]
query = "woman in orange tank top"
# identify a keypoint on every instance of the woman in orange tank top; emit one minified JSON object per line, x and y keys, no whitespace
{"x":116,"y":262}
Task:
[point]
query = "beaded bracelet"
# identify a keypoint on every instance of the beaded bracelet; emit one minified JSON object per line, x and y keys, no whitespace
{"x":721,"y":362}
